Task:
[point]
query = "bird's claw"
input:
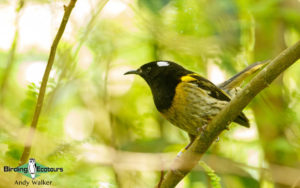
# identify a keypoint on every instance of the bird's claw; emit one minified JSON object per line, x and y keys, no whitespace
{"x":201,"y":129}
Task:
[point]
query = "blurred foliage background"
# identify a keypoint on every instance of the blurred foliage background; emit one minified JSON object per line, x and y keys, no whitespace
{"x":102,"y":127}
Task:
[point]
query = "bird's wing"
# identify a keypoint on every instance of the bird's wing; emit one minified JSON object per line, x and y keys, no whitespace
{"x":215,"y":92}
{"x":206,"y":85}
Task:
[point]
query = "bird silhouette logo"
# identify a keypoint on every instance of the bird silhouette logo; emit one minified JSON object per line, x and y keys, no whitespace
{"x":32,"y":167}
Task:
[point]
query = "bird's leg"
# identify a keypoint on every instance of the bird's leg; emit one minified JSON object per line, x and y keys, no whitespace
{"x":192,"y":138}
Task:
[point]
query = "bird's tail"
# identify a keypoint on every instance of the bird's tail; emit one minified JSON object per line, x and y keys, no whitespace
{"x":237,"y":79}
{"x":242,"y":120}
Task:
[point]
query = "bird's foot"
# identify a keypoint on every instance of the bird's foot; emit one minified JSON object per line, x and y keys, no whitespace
{"x":201,"y":129}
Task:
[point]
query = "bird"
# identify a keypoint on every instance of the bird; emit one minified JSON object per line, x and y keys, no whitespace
{"x":32,"y":167}
{"x":183,"y":97}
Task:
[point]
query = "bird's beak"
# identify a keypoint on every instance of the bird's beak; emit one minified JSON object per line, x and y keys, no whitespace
{"x":132,"y":72}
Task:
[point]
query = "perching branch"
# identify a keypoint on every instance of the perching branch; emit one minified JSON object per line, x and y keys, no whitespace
{"x":40,"y":100}
{"x":188,"y":160}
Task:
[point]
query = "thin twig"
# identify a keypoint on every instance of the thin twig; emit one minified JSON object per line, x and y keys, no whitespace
{"x":89,"y":27}
{"x":161,"y":178}
{"x":68,"y":9}
{"x":189,"y":159}
{"x":12,"y":52}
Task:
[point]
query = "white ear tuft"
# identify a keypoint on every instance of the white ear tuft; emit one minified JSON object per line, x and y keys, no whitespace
{"x":162,"y":63}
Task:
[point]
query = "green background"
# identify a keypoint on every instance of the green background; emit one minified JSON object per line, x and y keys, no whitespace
{"x":102,"y":127}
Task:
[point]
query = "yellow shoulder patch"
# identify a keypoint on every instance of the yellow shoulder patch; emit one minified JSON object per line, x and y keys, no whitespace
{"x":187,"y":78}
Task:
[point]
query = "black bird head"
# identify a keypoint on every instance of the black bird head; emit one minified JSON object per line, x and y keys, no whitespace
{"x":162,"y":77}
{"x":157,"y":71}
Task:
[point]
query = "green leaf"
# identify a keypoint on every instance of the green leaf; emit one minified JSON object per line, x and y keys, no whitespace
{"x":214,"y":178}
